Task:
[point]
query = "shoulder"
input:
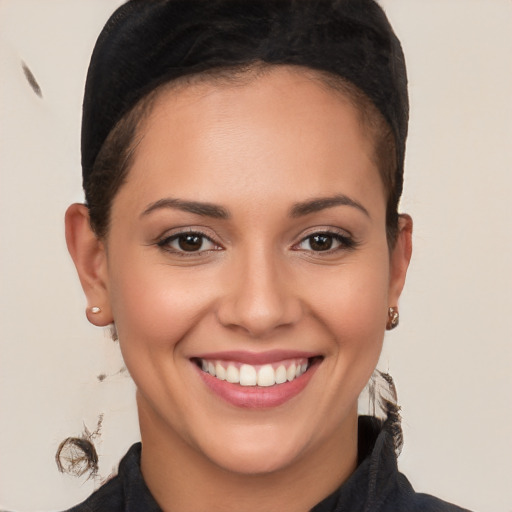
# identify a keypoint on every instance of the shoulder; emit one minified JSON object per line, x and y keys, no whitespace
{"x":389,"y":489}
{"x":425,"y":502}
{"x":428,"y":503}
{"x":407,"y":500}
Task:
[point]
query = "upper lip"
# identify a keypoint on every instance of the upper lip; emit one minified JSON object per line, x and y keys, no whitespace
{"x":256,"y":358}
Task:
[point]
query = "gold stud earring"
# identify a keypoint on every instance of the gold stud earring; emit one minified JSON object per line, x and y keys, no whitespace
{"x":393,"y":318}
{"x":95,"y":310}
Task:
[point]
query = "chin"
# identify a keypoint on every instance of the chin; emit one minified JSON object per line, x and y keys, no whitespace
{"x":253,"y":458}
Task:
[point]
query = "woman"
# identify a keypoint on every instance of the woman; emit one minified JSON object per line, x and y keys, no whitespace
{"x":242,"y":164}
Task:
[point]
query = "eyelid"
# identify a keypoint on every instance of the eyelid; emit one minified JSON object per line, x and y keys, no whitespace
{"x":173,"y":234}
{"x":344,"y":238}
{"x":185,"y":230}
{"x":330,"y":230}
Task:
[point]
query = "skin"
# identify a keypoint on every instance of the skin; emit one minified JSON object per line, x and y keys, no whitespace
{"x":256,"y":149}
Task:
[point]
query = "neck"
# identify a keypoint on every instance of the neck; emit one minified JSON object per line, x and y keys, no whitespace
{"x":182,"y":479}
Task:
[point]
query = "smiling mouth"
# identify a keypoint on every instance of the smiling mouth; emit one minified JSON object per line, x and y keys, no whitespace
{"x":263,"y":376}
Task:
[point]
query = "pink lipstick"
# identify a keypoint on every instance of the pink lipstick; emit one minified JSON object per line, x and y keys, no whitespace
{"x":257,"y":380}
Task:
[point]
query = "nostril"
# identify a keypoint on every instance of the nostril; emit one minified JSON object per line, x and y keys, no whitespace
{"x":259,"y":317}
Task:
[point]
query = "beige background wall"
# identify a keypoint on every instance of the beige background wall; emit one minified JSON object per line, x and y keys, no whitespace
{"x":452,"y":355}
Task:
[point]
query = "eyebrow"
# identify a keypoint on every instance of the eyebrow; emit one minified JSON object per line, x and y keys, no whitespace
{"x":218,"y":212}
{"x":196,"y":207}
{"x":321,"y":203}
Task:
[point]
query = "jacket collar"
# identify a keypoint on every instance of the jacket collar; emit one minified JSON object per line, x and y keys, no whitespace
{"x":374,"y":479}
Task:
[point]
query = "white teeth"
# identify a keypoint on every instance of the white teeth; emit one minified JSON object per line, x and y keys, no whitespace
{"x":266,"y":376}
{"x":290,"y":373}
{"x":281,"y":374}
{"x":220,"y":373}
{"x":248,"y":375}
{"x":232,"y":374}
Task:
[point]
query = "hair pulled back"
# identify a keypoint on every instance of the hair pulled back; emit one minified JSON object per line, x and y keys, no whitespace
{"x":147,"y":44}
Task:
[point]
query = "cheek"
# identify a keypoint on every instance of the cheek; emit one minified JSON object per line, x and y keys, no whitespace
{"x":366,"y":309}
{"x":152,"y":305}
{"x":366,"y":305}
{"x":353,"y":299}
{"x":352,"y":304}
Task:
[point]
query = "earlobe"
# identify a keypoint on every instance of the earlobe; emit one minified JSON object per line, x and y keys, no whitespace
{"x":400,"y":259}
{"x":88,"y":254}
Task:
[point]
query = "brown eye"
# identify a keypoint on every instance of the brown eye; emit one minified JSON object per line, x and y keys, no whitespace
{"x":326,"y":242}
{"x":190,"y":242}
{"x":321,"y":242}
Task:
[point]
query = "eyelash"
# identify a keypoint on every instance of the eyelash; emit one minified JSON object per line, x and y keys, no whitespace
{"x":345,"y":242}
{"x":165,"y":242}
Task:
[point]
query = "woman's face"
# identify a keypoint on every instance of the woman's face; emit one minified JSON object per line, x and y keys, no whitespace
{"x":248,"y":245}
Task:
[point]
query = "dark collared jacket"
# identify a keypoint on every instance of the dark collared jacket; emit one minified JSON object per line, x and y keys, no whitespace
{"x":375,"y":486}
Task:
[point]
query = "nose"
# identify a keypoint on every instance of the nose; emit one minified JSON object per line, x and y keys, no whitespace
{"x":260,"y":297}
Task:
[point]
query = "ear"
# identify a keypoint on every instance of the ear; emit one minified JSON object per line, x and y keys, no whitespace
{"x":89,"y":255}
{"x":399,"y":259}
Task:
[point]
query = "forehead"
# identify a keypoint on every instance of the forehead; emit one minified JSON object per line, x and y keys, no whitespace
{"x":282,"y":126}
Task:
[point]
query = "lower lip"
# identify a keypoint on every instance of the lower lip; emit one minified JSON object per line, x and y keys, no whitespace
{"x":255,"y":397}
